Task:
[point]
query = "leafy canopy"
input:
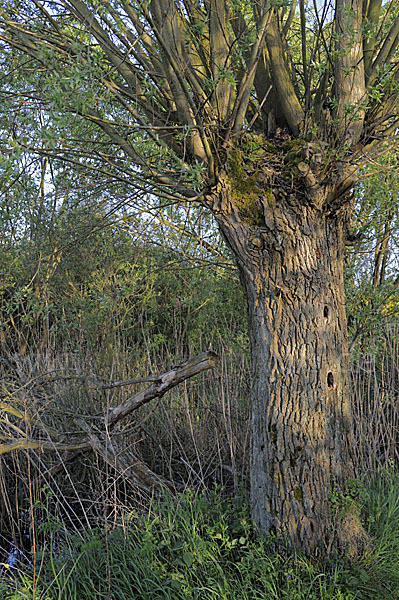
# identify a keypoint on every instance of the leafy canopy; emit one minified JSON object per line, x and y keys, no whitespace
{"x":156,"y":92}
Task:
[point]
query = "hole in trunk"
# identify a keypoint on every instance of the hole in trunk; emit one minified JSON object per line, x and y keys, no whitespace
{"x":330,"y":380}
{"x":325,"y":312}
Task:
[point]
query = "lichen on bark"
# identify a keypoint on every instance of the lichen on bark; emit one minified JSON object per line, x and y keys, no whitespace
{"x":298,"y":495}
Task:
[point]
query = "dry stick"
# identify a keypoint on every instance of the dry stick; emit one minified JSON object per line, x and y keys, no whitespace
{"x":161,"y":385}
{"x":99,"y":441}
{"x":155,"y":378}
{"x":135,"y":469}
{"x":128,"y":466}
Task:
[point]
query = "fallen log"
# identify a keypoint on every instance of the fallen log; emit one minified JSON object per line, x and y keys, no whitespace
{"x":99,"y":438}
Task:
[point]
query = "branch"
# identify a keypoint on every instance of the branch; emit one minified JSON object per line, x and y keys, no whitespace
{"x":283,"y":84}
{"x":389,"y":46}
{"x":372,"y":15}
{"x":350,"y":86}
{"x":306,"y":80}
{"x":161,"y":385}
{"x":220,"y":55}
{"x":290,"y":18}
{"x":176,"y":71}
{"x":247,"y":81}
{"x":115,"y":56}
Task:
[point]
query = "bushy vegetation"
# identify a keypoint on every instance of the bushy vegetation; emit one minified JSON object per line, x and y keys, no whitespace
{"x":97,"y":286}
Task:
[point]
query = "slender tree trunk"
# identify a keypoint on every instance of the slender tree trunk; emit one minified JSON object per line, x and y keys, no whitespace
{"x":291,"y":269}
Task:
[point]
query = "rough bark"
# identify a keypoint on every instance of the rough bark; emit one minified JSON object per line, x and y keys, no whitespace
{"x":291,"y":269}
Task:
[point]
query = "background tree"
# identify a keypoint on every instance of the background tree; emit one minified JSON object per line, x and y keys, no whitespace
{"x":372,"y":274}
{"x":262,"y":113}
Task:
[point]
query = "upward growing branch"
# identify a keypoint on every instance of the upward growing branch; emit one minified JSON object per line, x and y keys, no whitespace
{"x":350,"y":87}
{"x":282,"y":79}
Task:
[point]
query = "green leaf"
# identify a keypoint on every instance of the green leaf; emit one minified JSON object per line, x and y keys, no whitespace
{"x":188,"y":559}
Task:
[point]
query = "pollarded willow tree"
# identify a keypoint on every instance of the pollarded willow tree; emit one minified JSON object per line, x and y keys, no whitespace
{"x":261,"y":111}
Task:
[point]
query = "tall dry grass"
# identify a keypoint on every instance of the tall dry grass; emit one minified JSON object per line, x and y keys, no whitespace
{"x":374,"y":388}
{"x":195,"y":437}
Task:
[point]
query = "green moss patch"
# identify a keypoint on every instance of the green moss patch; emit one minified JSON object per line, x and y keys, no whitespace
{"x":245,"y":192}
{"x":293,"y":156}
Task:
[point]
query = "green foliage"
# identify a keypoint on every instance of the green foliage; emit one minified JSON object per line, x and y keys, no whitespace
{"x":74,"y":274}
{"x":381,"y":513}
{"x":108,"y":289}
{"x":351,"y":499}
{"x":204,"y":546}
{"x":371,"y":270}
{"x":190,"y":547}
{"x":374,"y":573}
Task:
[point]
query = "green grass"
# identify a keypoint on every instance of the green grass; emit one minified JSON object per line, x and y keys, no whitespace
{"x":204,"y":548}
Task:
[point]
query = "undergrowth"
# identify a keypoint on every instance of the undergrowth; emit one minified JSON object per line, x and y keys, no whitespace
{"x":204,"y":547}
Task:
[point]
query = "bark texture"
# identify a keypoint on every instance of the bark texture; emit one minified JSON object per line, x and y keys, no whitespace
{"x":291,"y":268}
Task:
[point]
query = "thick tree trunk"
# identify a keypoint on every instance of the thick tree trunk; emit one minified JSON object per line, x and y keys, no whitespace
{"x":291,"y":268}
